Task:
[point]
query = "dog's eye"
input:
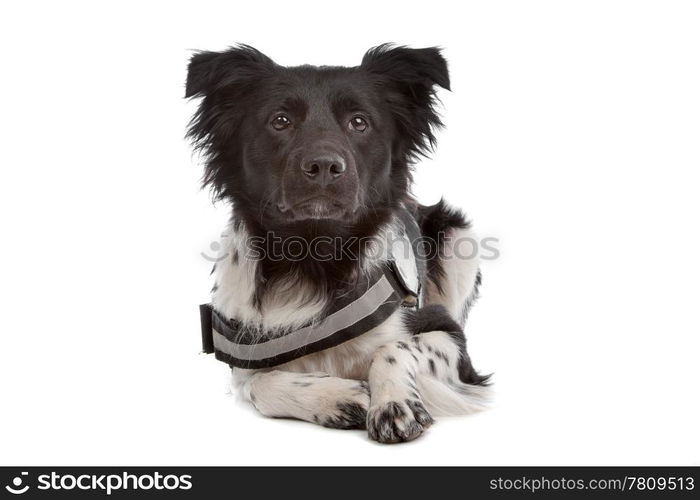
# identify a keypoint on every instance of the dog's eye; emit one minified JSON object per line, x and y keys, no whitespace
{"x":280,"y":122}
{"x":358,"y":124}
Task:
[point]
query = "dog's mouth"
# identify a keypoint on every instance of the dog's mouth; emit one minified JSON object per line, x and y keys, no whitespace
{"x":315,"y":207}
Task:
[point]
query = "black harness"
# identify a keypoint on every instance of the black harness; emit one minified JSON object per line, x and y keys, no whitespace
{"x":396,"y":283}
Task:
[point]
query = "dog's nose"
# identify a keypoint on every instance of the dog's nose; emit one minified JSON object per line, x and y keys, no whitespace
{"x":323,"y":170}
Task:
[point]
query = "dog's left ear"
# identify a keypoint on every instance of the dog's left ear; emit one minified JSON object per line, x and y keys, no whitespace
{"x":420,"y":69}
{"x":413,"y":74}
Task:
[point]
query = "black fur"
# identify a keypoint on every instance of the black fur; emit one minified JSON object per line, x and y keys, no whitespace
{"x":431,"y":363}
{"x":435,"y":222}
{"x":260,"y":167}
{"x":471,"y":300}
{"x":256,"y":167}
{"x":436,"y":318}
{"x":351,"y":416}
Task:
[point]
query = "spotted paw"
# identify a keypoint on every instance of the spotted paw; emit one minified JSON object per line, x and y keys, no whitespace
{"x":349,"y":412}
{"x":397,"y":421}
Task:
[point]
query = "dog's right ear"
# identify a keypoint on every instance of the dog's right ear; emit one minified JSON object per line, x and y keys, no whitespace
{"x":211,"y":71}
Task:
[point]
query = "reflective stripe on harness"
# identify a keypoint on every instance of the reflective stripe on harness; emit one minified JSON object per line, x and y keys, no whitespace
{"x":395,"y":284}
{"x":234,"y":343}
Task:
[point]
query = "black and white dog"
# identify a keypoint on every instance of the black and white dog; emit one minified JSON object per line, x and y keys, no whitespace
{"x":321,"y":157}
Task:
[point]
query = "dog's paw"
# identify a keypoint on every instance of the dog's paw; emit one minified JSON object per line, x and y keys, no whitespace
{"x":397,"y":421}
{"x":350,"y":410}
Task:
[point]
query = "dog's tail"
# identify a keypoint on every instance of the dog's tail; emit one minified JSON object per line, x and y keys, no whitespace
{"x":447,"y":399}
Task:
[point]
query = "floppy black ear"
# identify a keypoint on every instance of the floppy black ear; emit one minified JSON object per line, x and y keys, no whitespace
{"x":410,"y":77}
{"x":414,"y":67}
{"x":209,"y":71}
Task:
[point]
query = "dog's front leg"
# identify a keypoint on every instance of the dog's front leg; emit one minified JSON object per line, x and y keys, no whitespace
{"x":396,"y":411}
{"x":315,"y":397}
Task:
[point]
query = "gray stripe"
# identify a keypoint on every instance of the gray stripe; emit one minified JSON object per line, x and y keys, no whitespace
{"x":343,"y":318}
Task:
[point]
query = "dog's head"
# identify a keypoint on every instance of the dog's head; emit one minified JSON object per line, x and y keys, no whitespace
{"x":290,"y":144}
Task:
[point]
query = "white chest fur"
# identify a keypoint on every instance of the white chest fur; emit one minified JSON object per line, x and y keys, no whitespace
{"x":289,"y":305}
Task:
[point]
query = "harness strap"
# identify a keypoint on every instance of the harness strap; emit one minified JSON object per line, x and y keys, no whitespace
{"x":234,"y":343}
{"x":395,"y":284}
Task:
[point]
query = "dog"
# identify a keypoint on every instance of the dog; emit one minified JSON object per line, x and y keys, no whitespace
{"x":324,"y":155}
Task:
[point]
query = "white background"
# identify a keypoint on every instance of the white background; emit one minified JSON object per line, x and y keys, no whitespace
{"x":572,"y":136}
